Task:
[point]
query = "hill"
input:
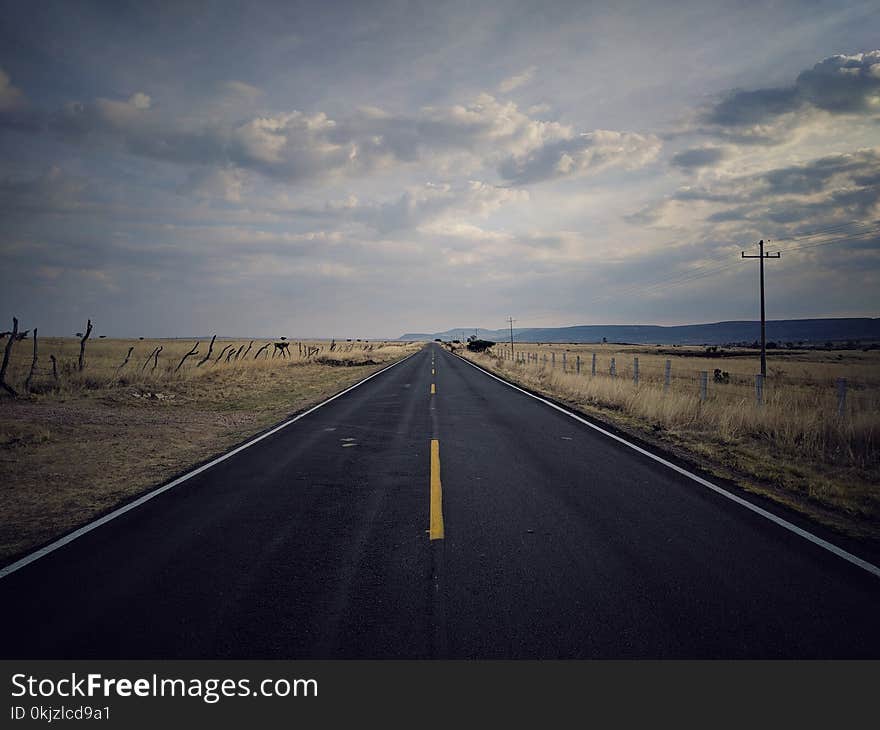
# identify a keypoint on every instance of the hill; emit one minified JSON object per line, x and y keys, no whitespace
{"x":808,"y":331}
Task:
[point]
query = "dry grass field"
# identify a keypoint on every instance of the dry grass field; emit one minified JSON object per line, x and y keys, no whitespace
{"x":81,"y":443}
{"x":795,"y":447}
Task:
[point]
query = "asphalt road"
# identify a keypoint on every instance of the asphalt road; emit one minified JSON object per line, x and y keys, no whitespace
{"x":325,"y":540}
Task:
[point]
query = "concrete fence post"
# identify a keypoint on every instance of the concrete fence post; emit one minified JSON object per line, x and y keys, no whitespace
{"x":704,"y":380}
{"x":593,"y":370}
{"x":564,"y":362}
{"x":759,"y":389}
{"x":613,"y":369}
{"x":545,"y":359}
{"x":667,"y":376}
{"x":636,"y":370}
{"x":577,"y":364}
{"x":552,"y":359}
{"x":841,"y":397}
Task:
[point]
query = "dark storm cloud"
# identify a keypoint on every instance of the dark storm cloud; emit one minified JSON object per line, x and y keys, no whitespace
{"x":841,"y":84}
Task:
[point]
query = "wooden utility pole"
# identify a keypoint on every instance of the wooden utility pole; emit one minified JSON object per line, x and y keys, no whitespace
{"x":761,"y":255}
{"x":510,"y":321}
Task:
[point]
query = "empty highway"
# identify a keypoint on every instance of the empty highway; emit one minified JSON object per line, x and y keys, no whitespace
{"x":435,"y":512}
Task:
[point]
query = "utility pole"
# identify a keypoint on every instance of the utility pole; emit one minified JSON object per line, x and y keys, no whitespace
{"x":761,"y":255}
{"x":511,"y":320}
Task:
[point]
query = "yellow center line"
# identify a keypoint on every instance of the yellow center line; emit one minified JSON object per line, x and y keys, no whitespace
{"x":432,"y":371}
{"x":436,"y":527}
{"x":433,"y":388}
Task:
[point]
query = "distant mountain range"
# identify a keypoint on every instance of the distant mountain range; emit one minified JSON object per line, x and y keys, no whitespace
{"x":811,"y":331}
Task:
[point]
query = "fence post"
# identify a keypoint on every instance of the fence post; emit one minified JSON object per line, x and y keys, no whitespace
{"x":593,"y":371}
{"x":613,"y":369}
{"x":704,"y":379}
{"x":759,"y":389}
{"x":545,"y":359}
{"x":577,"y":364}
{"x":564,"y":361}
{"x":841,"y":397}
{"x":636,"y":370}
{"x":667,"y":376}
{"x":552,"y":359}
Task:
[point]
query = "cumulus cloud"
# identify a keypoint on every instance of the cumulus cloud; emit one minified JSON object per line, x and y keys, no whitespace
{"x":586,"y":153}
{"x":295,"y":146}
{"x":517,"y":80}
{"x":429,"y":203}
{"x":841,"y":84}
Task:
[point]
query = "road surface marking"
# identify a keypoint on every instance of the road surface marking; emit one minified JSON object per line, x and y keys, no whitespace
{"x":433,"y":388}
{"x":432,"y":371}
{"x":85,"y":529}
{"x":815,"y":539}
{"x":436,"y":531}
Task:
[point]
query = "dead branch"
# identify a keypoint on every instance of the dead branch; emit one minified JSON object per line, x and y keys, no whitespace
{"x":156,"y":359}
{"x":6,"y":354}
{"x":54,"y":367}
{"x":244,"y":355}
{"x":221,"y":353}
{"x":263,"y":349}
{"x":82,"y":344}
{"x":22,"y":335}
{"x":149,"y":357}
{"x":27,"y":382}
{"x":208,"y":354}
{"x":194,"y":351}
{"x":125,"y":362}
{"x":239,"y":352}
{"x":230,"y":354}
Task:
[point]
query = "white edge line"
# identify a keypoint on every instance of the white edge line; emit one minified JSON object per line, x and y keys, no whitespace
{"x":85,"y":529}
{"x":816,"y":540}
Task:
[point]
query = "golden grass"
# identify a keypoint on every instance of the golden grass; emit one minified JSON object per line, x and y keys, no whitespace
{"x":82,"y":444}
{"x":794,"y":447}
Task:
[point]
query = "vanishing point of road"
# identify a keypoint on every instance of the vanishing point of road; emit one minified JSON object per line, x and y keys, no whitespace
{"x":435,"y":512}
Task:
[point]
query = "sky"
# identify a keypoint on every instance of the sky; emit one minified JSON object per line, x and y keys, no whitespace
{"x":365,"y":169}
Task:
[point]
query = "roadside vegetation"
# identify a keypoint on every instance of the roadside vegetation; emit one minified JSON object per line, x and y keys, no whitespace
{"x":797,"y":446}
{"x":75,"y":443}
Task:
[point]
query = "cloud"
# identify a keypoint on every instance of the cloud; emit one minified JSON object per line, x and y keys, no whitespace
{"x":520,"y":79}
{"x":15,"y":112}
{"x":422,"y":205}
{"x":699,"y":157}
{"x":51,"y":191}
{"x":295,"y":146}
{"x":841,"y":84}
{"x":140,"y":100}
{"x":215,"y":184}
{"x":781,"y":201}
{"x":240,"y":88}
{"x":586,"y":153}
{"x":10,"y":96}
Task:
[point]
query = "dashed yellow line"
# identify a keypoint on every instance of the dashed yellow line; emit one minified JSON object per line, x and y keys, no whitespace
{"x":436,"y":526}
{"x":433,"y":388}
